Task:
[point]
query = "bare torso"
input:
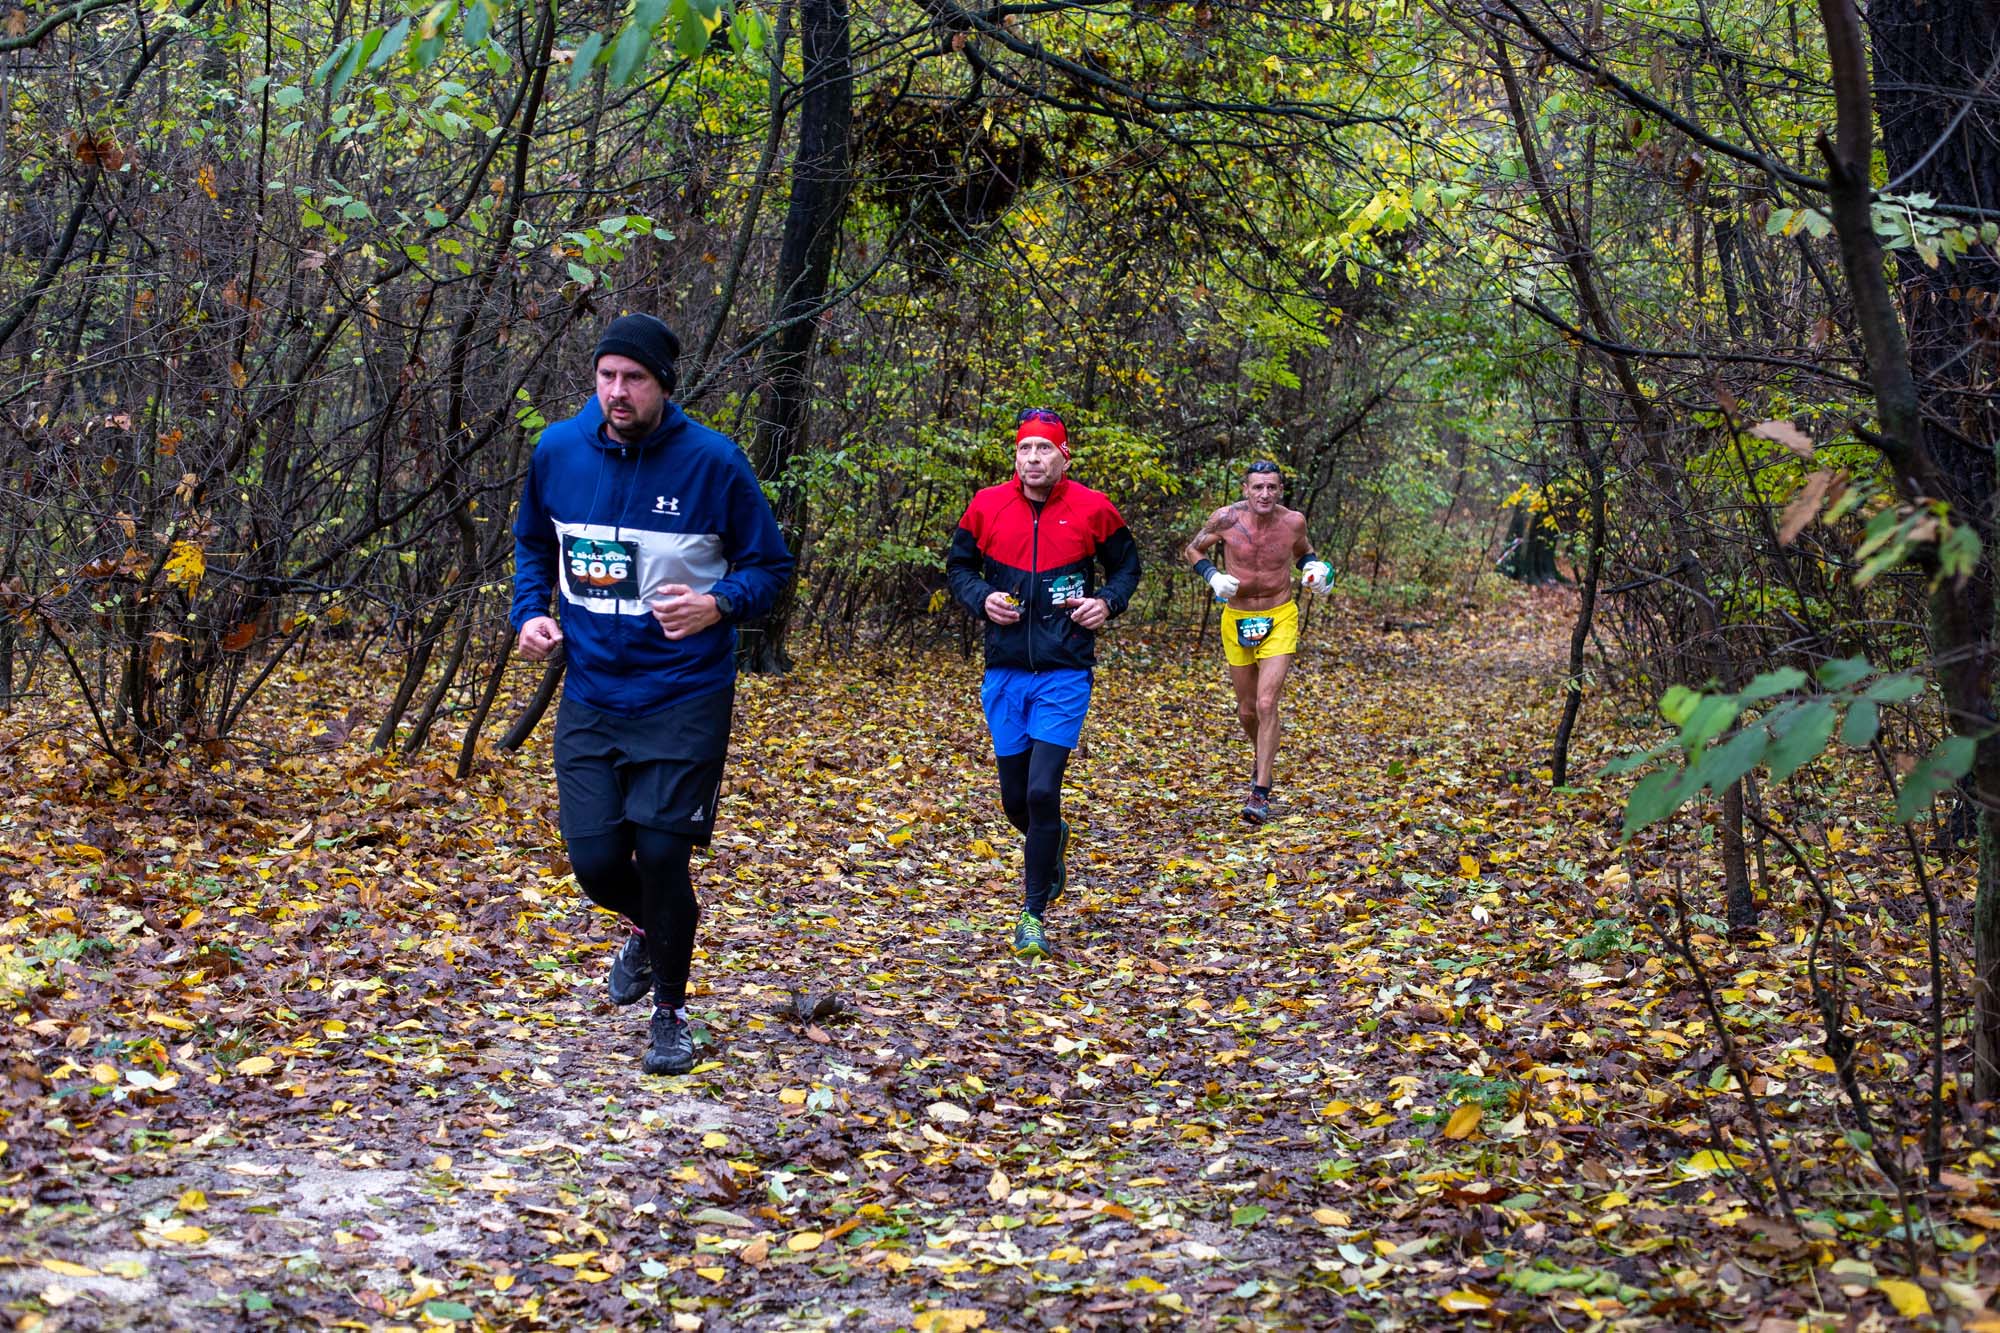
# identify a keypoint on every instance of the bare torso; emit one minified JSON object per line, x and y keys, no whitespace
{"x":1259,"y":550}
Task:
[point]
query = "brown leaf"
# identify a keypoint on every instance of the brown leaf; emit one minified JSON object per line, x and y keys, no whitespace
{"x":1785,"y":433}
{"x":1804,"y":507}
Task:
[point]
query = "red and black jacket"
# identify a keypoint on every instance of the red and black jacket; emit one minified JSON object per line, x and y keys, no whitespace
{"x":1038,"y":552}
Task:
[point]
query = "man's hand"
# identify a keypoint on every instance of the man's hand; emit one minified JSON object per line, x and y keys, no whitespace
{"x":1224,"y":585}
{"x":1319,"y":575}
{"x":681,"y":610}
{"x":1002,"y":609}
{"x":539,"y":638}
{"x":1090,"y":612}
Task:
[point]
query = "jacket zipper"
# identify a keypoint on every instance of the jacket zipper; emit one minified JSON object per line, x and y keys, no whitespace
{"x":1034,"y":572}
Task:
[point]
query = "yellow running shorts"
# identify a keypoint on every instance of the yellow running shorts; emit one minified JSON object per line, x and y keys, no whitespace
{"x":1252,"y":636}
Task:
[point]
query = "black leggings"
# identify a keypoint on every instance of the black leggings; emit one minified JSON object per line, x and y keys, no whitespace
{"x":642,"y":873}
{"x":1031,"y":794}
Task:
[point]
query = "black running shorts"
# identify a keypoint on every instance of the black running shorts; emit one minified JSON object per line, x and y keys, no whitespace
{"x":663,"y":770}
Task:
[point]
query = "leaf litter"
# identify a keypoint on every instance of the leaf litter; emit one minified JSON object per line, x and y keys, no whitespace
{"x":321,"y":1039}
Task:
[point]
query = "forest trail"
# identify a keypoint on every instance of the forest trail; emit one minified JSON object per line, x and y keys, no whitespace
{"x":345,"y":1055}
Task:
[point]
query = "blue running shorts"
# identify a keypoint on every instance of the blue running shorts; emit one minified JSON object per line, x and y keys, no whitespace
{"x":1023,"y":707}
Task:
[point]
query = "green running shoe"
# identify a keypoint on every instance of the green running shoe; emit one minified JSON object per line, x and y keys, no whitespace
{"x":1062,"y":866}
{"x":1029,"y":941}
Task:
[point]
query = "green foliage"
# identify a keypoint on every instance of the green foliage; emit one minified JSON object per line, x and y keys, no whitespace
{"x":1781,"y":738}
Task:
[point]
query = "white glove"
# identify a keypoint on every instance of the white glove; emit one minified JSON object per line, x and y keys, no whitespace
{"x":1224,"y":585}
{"x":1319,"y":575}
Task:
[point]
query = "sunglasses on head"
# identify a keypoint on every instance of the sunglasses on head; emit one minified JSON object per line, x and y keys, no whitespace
{"x":1037,"y":414}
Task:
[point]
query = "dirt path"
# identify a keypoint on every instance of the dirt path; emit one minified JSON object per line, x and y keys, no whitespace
{"x":395,"y":1095}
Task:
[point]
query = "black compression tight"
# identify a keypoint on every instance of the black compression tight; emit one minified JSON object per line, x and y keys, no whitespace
{"x":1031,"y":794}
{"x":642,"y":873}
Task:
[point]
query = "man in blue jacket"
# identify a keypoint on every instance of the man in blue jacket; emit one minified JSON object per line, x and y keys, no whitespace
{"x":653,"y":536}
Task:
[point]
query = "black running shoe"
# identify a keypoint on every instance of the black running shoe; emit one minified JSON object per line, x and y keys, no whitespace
{"x":672,"y":1051}
{"x":1061,"y":881}
{"x":631,"y":978}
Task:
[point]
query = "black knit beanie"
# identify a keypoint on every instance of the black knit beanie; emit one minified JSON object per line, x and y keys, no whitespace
{"x":646,"y":340}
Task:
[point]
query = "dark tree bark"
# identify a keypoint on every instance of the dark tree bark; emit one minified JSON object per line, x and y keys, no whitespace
{"x":820,"y":186}
{"x":1586,"y":604}
{"x":1937,"y":63}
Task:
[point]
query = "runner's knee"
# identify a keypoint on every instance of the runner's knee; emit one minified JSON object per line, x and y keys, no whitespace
{"x":603,"y":866}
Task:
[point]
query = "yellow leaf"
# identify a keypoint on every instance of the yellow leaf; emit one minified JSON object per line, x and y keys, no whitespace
{"x":793,"y":1096}
{"x":192,"y":1201}
{"x":1468,"y":866}
{"x":205,"y":178}
{"x":804,"y":1241}
{"x":1145,"y":1285}
{"x":68,"y":1269}
{"x":104,"y":1074}
{"x":999,"y":1187}
{"x":184,"y":1235}
{"x":185,"y":564}
{"x":1708,"y":1161}
{"x":900,"y":836}
{"x":574,"y":1260}
{"x":981,"y":847}
{"x":1908,"y":1298}
{"x":256,"y":1064}
{"x":714,"y":1139}
{"x":1463,"y":1300}
{"x":333,"y":1027}
{"x":712,"y":1274}
{"x":1464,"y":1120}
{"x":1836,"y":838}
{"x":949,"y":1321}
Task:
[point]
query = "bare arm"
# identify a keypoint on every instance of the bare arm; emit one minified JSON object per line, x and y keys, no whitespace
{"x":1211,"y":532}
{"x":1301,"y":544}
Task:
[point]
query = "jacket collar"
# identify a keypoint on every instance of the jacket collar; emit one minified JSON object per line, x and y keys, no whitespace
{"x":1055,"y":491}
{"x":672,"y":421}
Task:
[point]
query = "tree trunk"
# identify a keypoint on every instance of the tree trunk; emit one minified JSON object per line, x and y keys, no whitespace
{"x":1586,"y":606}
{"x":820,"y":186}
{"x":1934,"y":65}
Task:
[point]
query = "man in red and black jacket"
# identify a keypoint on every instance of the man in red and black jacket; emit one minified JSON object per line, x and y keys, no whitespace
{"x":1024,"y":559}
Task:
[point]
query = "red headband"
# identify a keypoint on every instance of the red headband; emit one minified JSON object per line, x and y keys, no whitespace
{"x":1044,"y":429}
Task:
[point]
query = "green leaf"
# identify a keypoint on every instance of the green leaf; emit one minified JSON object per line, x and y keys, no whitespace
{"x":478,"y":21}
{"x":392,"y":42}
{"x":1864,"y":718}
{"x":629,"y":52}
{"x":1805,"y":735}
{"x":1946,"y":764}
{"x":1842,"y":672}
{"x":1711,"y":717}
{"x":690,"y":30}
{"x":1897,"y":689}
{"x":1958,"y":553}
{"x":345,"y":71}
{"x":649,"y":12}
{"x":1782,"y":681}
{"x":1677,"y":705}
{"x":447,"y":1310}
{"x":1657,"y":796}
{"x":1722,"y":765}
{"x":1249,"y":1214}
{"x":586,"y":58}
{"x":1617,"y":767}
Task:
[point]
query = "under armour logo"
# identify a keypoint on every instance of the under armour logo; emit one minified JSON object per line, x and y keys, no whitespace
{"x":663,"y":505}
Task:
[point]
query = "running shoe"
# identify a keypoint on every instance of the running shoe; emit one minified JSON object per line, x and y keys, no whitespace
{"x":1029,"y":941}
{"x":672,"y":1051}
{"x":1258,"y":808}
{"x":631,"y":978}
{"x":1061,"y":881}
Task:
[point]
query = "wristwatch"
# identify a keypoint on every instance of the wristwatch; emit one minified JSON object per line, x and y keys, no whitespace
{"x":723,"y":606}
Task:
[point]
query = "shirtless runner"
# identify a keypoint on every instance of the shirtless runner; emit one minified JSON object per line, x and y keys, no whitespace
{"x":1261,"y":541}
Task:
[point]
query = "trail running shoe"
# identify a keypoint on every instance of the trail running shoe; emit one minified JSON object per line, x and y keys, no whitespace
{"x":1258,"y":808}
{"x":1029,"y":941}
{"x":672,"y":1051}
{"x":1062,"y":866}
{"x":631,"y":978}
